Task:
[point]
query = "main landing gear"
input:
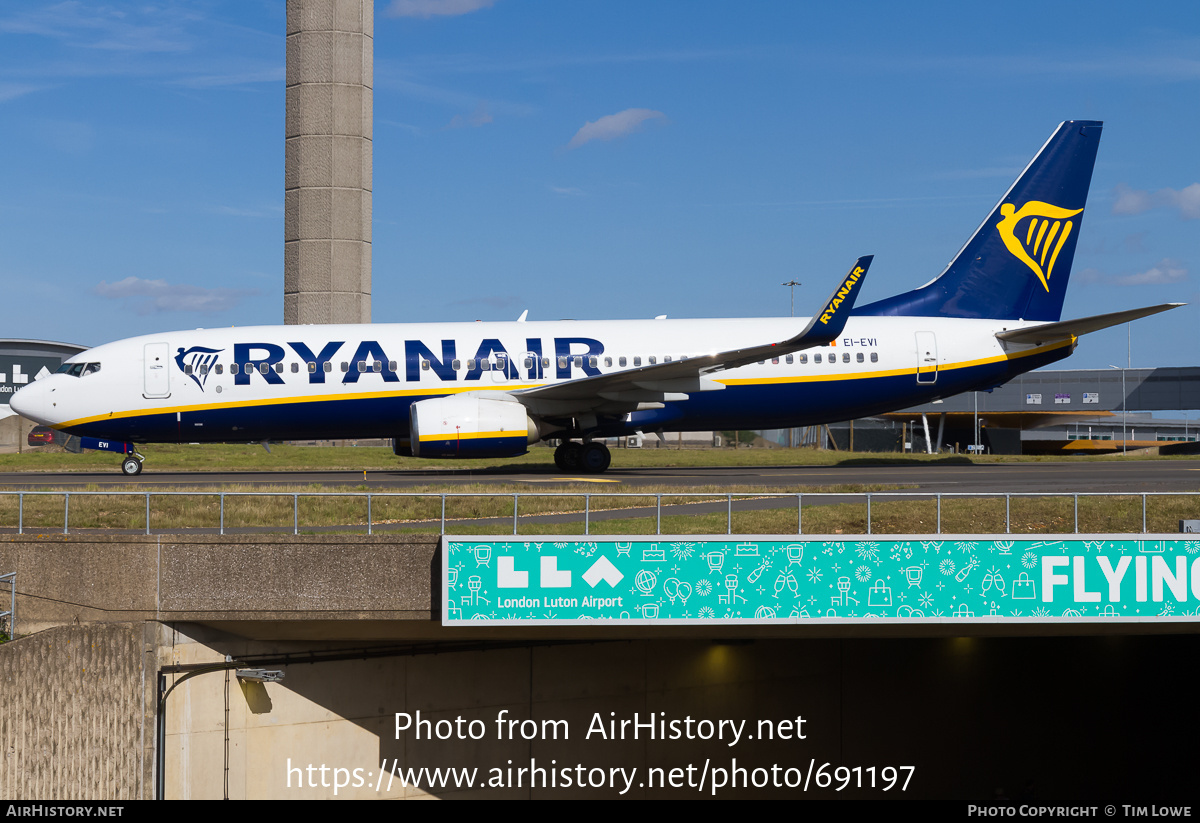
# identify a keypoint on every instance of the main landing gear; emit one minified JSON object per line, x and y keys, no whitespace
{"x":590,"y":458}
{"x":131,"y":466}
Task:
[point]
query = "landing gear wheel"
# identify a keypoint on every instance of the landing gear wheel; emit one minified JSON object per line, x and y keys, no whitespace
{"x":131,"y":466}
{"x":568,"y":456}
{"x":596,"y":458}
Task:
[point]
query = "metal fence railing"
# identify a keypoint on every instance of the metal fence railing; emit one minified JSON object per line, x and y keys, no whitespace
{"x":160,"y":512}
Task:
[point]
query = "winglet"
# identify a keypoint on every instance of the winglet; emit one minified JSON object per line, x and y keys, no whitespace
{"x":829,"y":322}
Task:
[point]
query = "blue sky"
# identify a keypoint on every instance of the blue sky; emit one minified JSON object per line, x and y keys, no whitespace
{"x":593,"y":159}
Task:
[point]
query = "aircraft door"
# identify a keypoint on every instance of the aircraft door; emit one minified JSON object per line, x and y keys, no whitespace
{"x":499,"y":367}
{"x":530,"y":367}
{"x":927,"y":357}
{"x":157,"y":370}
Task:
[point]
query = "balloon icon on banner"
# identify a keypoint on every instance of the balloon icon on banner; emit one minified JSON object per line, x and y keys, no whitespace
{"x":673,"y":588}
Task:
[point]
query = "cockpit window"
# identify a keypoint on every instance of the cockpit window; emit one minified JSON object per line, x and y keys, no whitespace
{"x":78,"y":369}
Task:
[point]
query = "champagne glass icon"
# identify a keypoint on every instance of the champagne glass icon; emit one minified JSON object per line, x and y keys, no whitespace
{"x":780,"y":582}
{"x":792,"y":584}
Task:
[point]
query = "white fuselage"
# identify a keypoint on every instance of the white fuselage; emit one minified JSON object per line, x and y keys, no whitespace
{"x":290,"y":382}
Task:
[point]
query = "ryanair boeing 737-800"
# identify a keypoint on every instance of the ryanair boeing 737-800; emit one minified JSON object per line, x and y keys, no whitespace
{"x":450,"y":390}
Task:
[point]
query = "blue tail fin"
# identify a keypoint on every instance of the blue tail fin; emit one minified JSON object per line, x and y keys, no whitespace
{"x":1017,"y":263}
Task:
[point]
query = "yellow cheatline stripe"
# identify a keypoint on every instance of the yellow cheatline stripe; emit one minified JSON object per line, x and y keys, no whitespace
{"x":942,"y":367}
{"x":279,"y":401}
{"x":441,"y":392}
{"x":471,"y":435}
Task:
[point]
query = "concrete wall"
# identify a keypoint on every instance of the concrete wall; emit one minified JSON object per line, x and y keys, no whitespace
{"x":14,"y":434}
{"x":328,"y":160}
{"x":77,"y":713}
{"x":63,"y":579}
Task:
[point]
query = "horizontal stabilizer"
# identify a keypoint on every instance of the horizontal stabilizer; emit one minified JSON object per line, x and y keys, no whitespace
{"x":1047,"y":332}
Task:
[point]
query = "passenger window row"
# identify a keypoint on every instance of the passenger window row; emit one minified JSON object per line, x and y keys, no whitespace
{"x":501,"y":364}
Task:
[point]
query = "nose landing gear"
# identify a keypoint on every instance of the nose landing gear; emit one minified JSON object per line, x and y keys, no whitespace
{"x":131,"y":466}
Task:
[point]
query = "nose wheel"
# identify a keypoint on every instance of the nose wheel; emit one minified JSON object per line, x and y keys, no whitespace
{"x":131,"y":466}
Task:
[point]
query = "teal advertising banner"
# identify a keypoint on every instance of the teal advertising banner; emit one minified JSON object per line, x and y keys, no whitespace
{"x":780,"y":579}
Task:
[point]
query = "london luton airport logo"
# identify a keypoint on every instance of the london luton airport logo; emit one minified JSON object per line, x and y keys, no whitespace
{"x":1048,"y":225}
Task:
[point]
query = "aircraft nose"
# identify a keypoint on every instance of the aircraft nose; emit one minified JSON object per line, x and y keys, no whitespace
{"x":30,"y":403}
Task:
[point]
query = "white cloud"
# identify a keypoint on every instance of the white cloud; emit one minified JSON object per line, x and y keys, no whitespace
{"x":480,"y":117}
{"x":11,"y":91}
{"x":156,"y":296}
{"x":1130,"y":201}
{"x":1136,"y":201}
{"x":1187,"y":200}
{"x":1167,"y":271}
{"x":435,"y":8}
{"x":612,"y":126}
{"x":250,"y":74}
{"x":142,"y":29}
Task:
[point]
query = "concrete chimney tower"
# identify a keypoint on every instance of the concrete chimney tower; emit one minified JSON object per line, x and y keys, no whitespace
{"x":327,"y":162}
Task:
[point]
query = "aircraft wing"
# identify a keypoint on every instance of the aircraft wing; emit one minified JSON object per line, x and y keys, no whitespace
{"x":651,"y":386}
{"x":1048,"y":332}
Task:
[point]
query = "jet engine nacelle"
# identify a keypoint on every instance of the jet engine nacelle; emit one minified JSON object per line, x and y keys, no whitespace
{"x":464,"y":425}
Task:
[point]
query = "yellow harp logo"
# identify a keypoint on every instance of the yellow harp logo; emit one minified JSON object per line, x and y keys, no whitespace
{"x":1046,"y":225}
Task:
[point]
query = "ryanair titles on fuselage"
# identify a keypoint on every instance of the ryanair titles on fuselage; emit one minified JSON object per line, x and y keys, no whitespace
{"x":530,"y":363}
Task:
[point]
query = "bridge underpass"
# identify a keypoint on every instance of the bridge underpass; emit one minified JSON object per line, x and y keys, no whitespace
{"x":352,"y":623}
